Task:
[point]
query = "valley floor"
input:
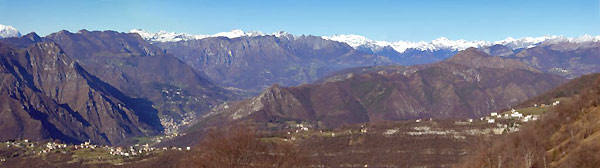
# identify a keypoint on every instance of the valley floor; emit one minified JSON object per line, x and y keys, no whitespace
{"x":420,"y":143}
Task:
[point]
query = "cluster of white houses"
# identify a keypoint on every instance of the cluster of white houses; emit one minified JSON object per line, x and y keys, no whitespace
{"x":131,"y":151}
{"x":298,"y":128}
{"x":138,"y":149}
{"x":514,"y":114}
{"x":172,"y":127}
{"x":37,"y":148}
{"x":50,"y":146}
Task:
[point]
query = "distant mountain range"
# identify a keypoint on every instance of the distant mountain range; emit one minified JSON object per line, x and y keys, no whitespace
{"x":228,"y":57}
{"x":255,"y":62}
{"x":361,"y":42}
{"x":451,"y":89}
{"x":567,"y":57}
{"x":164,"y":36}
{"x":402,"y":52}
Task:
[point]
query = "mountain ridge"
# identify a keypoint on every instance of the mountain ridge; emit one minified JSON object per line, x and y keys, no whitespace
{"x":361,"y":95}
{"x":254,"y":63}
{"x":358,"y":41}
{"x":54,"y":97}
{"x":142,"y":70}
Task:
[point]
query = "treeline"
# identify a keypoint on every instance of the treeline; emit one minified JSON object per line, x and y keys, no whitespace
{"x":566,"y":136}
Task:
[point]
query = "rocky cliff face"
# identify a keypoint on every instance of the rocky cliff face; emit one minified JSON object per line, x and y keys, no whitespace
{"x":254,"y":63}
{"x":141,"y":70}
{"x":45,"y":94}
{"x":443,"y":90}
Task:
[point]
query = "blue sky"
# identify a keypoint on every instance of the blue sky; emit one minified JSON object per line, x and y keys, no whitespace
{"x":390,"y":20}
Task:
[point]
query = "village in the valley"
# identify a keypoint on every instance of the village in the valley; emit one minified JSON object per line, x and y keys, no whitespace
{"x":86,"y":151}
{"x":498,"y":123}
{"x":516,"y":115}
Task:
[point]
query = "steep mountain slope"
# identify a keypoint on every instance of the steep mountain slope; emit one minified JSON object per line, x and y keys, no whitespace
{"x":553,"y":54}
{"x":566,"y":136}
{"x":142,"y":70}
{"x":23,"y":41}
{"x":44,"y":94}
{"x":568,"y":57}
{"x":443,"y":90}
{"x":573,"y":87}
{"x":229,"y":57}
{"x":473,"y":58}
{"x":256,"y":62}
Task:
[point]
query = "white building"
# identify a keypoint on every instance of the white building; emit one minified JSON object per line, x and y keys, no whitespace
{"x":516,"y":115}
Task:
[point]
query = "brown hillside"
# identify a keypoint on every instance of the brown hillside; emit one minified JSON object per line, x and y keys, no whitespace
{"x":46,"y":95}
{"x":566,"y":136}
{"x":443,"y":90}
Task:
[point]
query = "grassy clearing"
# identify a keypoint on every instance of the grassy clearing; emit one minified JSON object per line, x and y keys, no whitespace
{"x":94,"y":156}
{"x":143,"y":140}
{"x":272,"y":139}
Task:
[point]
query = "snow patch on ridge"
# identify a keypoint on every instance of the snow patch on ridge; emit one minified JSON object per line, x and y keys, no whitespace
{"x":358,"y":41}
{"x":8,"y":31}
{"x":164,"y":36}
{"x":441,"y":43}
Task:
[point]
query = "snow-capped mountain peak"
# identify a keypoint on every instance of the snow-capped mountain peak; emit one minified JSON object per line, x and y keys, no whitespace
{"x":361,"y":42}
{"x":351,"y":39}
{"x":357,"y":41}
{"x":581,"y":39}
{"x":443,"y":43}
{"x":8,"y":31}
{"x":235,"y":33}
{"x":164,"y":36}
{"x":525,"y":42}
{"x":281,"y":34}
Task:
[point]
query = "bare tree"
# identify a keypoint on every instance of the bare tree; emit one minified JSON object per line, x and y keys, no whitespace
{"x":240,"y":147}
{"x":529,"y":157}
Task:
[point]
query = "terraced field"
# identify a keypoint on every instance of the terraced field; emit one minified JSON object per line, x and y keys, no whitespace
{"x":391,"y":144}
